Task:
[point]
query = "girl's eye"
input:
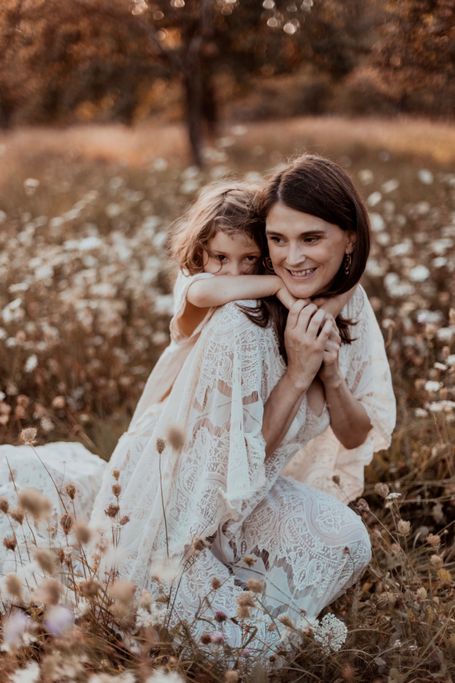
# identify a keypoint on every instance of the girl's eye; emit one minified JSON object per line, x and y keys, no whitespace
{"x":221,"y":259}
{"x":252,"y":259}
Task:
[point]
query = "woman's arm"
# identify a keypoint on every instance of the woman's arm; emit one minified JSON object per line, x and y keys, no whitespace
{"x":348,"y":418}
{"x":307,"y":332}
{"x":225,"y":288}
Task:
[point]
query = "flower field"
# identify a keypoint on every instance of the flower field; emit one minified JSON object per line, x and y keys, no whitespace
{"x":85,"y":300}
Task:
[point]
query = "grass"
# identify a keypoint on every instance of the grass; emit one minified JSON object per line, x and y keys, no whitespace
{"x":85,"y":307}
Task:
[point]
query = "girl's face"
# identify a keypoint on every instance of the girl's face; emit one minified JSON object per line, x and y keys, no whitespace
{"x":235,"y":254}
{"x":306,"y":251}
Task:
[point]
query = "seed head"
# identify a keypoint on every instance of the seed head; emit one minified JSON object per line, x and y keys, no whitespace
{"x":82,"y":532}
{"x":71,"y":491}
{"x":10,"y":542}
{"x":255,"y":585}
{"x":13,"y":585}
{"x":116,"y":490}
{"x":160,"y":445}
{"x":48,"y":592}
{"x":116,"y":474}
{"x":28,"y":436}
{"x":175,"y":437}
{"x":4,"y":505}
{"x":34,"y":502}
{"x":18,"y":514}
{"x":216,"y":583}
{"x":112,"y":510}
{"x":246,"y":599}
{"x":66,"y":522}
{"x":46,"y":560}
{"x":124,"y":520}
{"x":404,"y":527}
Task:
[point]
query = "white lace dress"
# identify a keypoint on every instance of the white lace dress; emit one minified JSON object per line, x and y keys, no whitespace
{"x":307,"y":545}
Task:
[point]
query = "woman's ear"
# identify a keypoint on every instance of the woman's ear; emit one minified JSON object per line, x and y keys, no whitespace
{"x":352,"y":239}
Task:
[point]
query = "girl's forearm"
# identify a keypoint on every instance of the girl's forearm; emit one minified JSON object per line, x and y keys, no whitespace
{"x":211,"y":292}
{"x":348,"y":418}
{"x":279,"y":411}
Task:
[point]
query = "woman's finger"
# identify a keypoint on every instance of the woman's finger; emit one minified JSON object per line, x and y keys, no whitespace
{"x":316,"y":321}
{"x":325,"y":332}
{"x":294,"y":312}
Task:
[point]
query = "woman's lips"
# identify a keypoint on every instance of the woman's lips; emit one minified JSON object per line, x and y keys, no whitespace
{"x":301,"y":273}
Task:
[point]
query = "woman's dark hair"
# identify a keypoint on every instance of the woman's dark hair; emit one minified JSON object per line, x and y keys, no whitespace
{"x":319,"y":187}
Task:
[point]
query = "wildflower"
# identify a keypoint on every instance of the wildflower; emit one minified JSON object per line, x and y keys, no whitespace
{"x":13,"y":585}
{"x":432,"y":386}
{"x":123,"y":591}
{"x":246,"y":599}
{"x":14,"y":627}
{"x":71,"y":491}
{"x":116,"y":474}
{"x":216,"y":583}
{"x":206,"y":638}
{"x":58,"y":402}
{"x":436,"y":561}
{"x":66,"y":522}
{"x":46,"y":560}
{"x":34,"y":502}
{"x":393,"y":496}
{"x":331,"y":633}
{"x":255,"y":585}
{"x":112,"y":510}
{"x":404,"y":527}
{"x":116,"y":490}
{"x":30,"y":674}
{"x":421,"y":593}
{"x":286,"y":620}
{"x":160,"y":445}
{"x":175,"y":437}
{"x":220,"y":616}
{"x":4,"y":505}
{"x":124,"y":520}
{"x":28,"y":436}
{"x":18,"y":514}
{"x":89,"y":588}
{"x":58,"y":619}
{"x":48,"y":592}
{"x":217,"y":637}
{"x":434,"y":540}
{"x":82,"y":533}
{"x":381,"y":489}
{"x":249,"y":560}
{"x":10,"y":542}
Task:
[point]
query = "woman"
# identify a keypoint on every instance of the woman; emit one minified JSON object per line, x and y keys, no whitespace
{"x":216,"y":508}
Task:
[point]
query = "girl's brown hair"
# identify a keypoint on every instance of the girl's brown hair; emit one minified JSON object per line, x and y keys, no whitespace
{"x":319,"y":187}
{"x":229,"y":206}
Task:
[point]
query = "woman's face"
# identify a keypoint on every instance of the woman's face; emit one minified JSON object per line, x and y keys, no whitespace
{"x":306,"y":251}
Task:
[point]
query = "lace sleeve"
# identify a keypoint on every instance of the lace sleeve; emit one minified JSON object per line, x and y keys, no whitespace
{"x":217,"y":402}
{"x":324,"y":462}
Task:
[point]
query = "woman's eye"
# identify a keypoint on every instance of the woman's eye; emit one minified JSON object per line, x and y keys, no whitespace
{"x":275,"y":239}
{"x":310,"y":240}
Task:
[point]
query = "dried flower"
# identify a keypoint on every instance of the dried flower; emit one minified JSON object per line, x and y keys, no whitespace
{"x":35,"y":503}
{"x":116,"y":490}
{"x":18,"y":514}
{"x":381,"y":489}
{"x":216,"y":583}
{"x":434,"y":540}
{"x":255,"y":585}
{"x":220,"y":616}
{"x":14,"y":586}
{"x":10,"y":542}
{"x":4,"y":505}
{"x":160,"y":445}
{"x":123,"y":591}
{"x":89,"y":588}
{"x":71,"y":491}
{"x":14,"y":628}
{"x":48,"y":592}
{"x":249,"y":560}
{"x":46,"y":560}
{"x":436,"y":561}
{"x":404,"y":527}
{"x":246,"y":599}
{"x":58,"y":402}
{"x":124,"y":520}
{"x":176,"y":437}
{"x":116,"y":474}
{"x":66,"y":522}
{"x":82,"y":532}
{"x":28,"y":436}
{"x":112,"y":510}
{"x":58,"y":619}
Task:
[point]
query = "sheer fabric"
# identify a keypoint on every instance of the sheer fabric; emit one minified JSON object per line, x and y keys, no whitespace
{"x":220,"y":489}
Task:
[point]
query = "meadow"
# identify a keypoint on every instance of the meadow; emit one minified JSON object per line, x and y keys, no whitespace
{"x":85,"y":301}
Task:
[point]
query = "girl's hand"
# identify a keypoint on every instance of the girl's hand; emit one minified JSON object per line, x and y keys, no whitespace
{"x":335,"y":304}
{"x":285,"y":296}
{"x":306,"y":336}
{"x":329,"y":371}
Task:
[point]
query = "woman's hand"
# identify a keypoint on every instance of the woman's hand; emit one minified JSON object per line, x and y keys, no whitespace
{"x":306,"y":337}
{"x":329,"y":371}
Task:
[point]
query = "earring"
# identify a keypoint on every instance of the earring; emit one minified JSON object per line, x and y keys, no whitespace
{"x":347,"y":263}
{"x":267,"y":263}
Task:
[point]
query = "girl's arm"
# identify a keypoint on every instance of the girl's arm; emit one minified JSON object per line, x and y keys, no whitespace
{"x":222,"y":289}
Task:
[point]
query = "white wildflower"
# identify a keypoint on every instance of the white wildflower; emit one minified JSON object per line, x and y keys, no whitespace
{"x":432,"y":386}
{"x":162,"y":676}
{"x":394,"y":495}
{"x":419,"y":273}
{"x":425,"y":176}
{"x":31,"y":363}
{"x":390,"y":185}
{"x":377,"y":222}
{"x":30,"y":674}
{"x":374,"y":199}
{"x":331,"y":633}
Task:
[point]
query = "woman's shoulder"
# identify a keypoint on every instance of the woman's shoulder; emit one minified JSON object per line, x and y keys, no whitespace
{"x":357,"y":304}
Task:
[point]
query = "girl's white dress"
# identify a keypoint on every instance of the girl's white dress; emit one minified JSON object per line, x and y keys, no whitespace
{"x":219,"y":493}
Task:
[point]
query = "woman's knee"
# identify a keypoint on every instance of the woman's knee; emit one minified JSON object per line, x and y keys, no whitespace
{"x":359,"y":543}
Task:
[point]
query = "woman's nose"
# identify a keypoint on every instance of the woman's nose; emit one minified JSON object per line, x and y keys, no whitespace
{"x":295,"y":255}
